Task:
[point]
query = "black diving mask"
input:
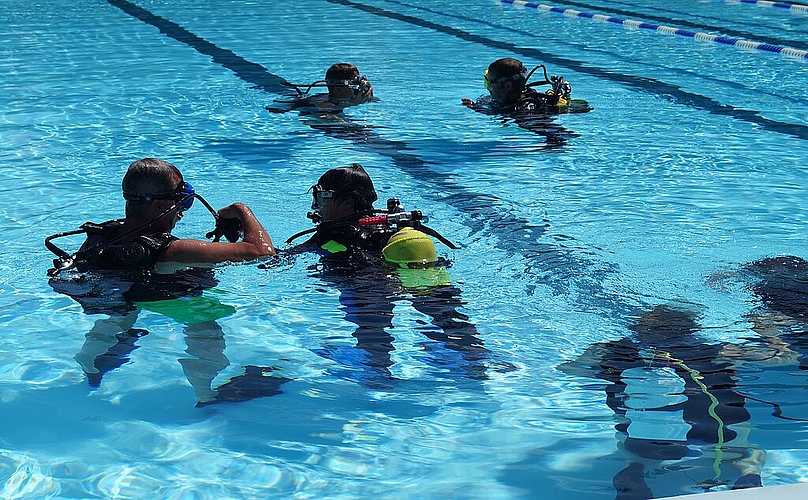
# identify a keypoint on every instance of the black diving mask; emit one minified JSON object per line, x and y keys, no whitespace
{"x":319,"y":195}
{"x":522,"y":75}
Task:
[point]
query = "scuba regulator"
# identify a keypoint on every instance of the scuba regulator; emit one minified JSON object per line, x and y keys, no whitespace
{"x":397,"y":217}
{"x":560,"y":89}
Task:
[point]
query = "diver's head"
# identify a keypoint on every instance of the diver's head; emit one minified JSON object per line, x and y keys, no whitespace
{"x":782,"y":284}
{"x":345,"y":83}
{"x":505,"y":79}
{"x":665,"y":325}
{"x":151,"y":186}
{"x":341,"y":192}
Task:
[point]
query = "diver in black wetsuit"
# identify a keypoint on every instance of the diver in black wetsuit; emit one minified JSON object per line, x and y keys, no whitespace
{"x":324,"y":111}
{"x":514,"y":99}
{"x":125,"y":265}
{"x":346,"y":87}
{"x":354,"y":245}
{"x":675,"y":399}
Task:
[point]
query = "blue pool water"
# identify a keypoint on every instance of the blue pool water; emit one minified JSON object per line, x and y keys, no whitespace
{"x":691,"y":164}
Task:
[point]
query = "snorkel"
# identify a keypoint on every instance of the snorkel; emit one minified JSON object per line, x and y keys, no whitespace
{"x":229,"y":228}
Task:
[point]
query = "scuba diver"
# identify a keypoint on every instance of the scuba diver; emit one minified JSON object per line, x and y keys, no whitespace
{"x":676,"y":405}
{"x":135,"y":263}
{"x":514,"y":99}
{"x":781,"y":286}
{"x":156,"y":199}
{"x":323,"y":112}
{"x":377,"y":257}
{"x":346,"y":87}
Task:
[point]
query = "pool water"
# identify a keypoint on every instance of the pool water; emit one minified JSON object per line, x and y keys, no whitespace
{"x":690,"y":165}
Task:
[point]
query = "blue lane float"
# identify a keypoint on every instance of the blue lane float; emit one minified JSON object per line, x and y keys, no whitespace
{"x":746,"y":44}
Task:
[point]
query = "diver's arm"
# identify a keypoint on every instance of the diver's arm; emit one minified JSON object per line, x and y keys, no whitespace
{"x":467,"y":102}
{"x":485,"y":105}
{"x":255,"y":244}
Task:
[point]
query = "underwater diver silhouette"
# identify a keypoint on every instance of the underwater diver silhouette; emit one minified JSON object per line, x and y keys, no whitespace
{"x":355,"y":257}
{"x":368,"y":300}
{"x":180,"y":297}
{"x":780,"y":319}
{"x":781,"y":285}
{"x":675,"y":402}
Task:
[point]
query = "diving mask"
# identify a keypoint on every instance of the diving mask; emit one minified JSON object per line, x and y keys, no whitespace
{"x":359,"y":85}
{"x":319,"y":195}
{"x":521,"y":75}
{"x":184,"y":193}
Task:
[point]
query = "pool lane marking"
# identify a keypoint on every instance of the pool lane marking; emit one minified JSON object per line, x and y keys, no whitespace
{"x":643,"y":84}
{"x":726,"y":40}
{"x":685,"y":23}
{"x":793,"y":7}
{"x":247,"y":71}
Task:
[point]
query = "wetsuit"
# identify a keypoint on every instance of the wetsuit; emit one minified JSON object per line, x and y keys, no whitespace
{"x":115,"y":276}
{"x":348,"y":247}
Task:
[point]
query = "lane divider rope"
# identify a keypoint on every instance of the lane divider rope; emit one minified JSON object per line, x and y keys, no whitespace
{"x":796,"y":7}
{"x":746,"y":44}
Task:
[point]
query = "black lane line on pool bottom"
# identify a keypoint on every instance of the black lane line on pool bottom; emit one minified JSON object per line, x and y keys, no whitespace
{"x":562,"y":268}
{"x":647,"y":85}
{"x":248,"y":71}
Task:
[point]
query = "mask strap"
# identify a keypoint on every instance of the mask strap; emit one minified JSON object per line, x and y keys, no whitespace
{"x":301,"y":93}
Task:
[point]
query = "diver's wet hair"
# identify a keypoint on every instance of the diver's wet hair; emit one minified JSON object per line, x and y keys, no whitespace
{"x":353,"y":182}
{"x":147,"y":176}
{"x":341,"y":71}
{"x":508,"y":68}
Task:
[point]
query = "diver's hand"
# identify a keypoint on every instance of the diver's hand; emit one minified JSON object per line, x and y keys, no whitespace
{"x":229,"y":228}
{"x":230,"y":222}
{"x":255,"y":242}
{"x":249,"y":228}
{"x":467,"y":102}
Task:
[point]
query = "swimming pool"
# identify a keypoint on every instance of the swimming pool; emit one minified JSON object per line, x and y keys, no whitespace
{"x":690,"y":165}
